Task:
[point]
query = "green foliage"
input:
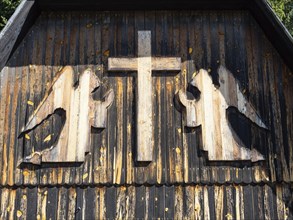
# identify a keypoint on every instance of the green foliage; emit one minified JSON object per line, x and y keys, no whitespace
{"x":284,"y":10}
{"x":7,"y":8}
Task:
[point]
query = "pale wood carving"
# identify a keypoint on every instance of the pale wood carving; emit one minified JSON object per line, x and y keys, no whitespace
{"x":189,"y":110}
{"x":144,"y":65}
{"x":219,"y":139}
{"x":81,"y":111}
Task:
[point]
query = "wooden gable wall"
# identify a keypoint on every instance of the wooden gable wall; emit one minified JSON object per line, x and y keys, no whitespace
{"x":180,"y":182}
{"x":87,"y":39}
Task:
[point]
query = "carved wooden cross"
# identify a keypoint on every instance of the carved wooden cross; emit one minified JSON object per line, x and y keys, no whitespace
{"x":144,"y":65}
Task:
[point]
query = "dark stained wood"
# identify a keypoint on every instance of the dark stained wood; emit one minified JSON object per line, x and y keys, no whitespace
{"x":196,"y":202}
{"x":10,"y":33}
{"x":60,"y":38}
{"x":134,"y":5}
{"x":144,"y":65}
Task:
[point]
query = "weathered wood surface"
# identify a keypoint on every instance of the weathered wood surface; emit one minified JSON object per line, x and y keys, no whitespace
{"x":88,"y":39}
{"x":80,"y":111}
{"x":144,"y":65}
{"x":210,"y":111}
{"x":147,"y":202}
{"x":157,"y":64}
{"x":10,"y":33}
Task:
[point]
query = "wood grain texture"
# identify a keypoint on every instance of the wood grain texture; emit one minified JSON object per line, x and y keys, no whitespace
{"x":81,"y":113}
{"x":131,"y":202}
{"x":87,"y":39}
{"x":239,"y":66}
{"x":9,"y":34}
{"x":144,"y":65}
{"x":213,"y":99}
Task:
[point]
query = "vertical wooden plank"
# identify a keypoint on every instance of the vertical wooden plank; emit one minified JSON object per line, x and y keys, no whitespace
{"x":195,"y":51}
{"x":42,"y":203}
{"x":3,"y":105}
{"x":239,"y":212}
{"x":180,"y":28}
{"x":186,"y":157}
{"x":124,"y":50}
{"x":72,"y":209}
{"x":162,"y":50}
{"x":130,"y":202}
{"x":107,"y":48}
{"x":159,"y":211}
{"x":174,"y":169}
{"x":120,"y":203}
{"x":178,"y":203}
{"x":62,"y":203}
{"x":88,"y":47}
{"x":169,"y":202}
{"x":36,"y":73}
{"x":219,"y":201}
{"x":89,"y":203}
{"x":112,"y":137}
{"x":140,"y":209}
{"x":30,"y":142}
{"x":149,"y":23}
{"x":282,"y":106}
{"x":198,"y":202}
{"x":6,"y":140}
{"x":249,"y":208}
{"x":98,"y":155}
{"x":288,"y":127}
{"x":15,"y":83}
{"x":130,"y":121}
{"x":111,"y":202}
{"x":275,"y":115}
{"x":4,"y":203}
{"x":73,"y":58}
{"x":207,"y":212}
{"x":202,"y":171}
{"x":52,"y":203}
{"x":258,"y":198}
{"x":20,"y":117}
{"x":177,"y":128}
{"x":79,"y":204}
{"x":118,"y":159}
{"x":139,"y":24}
{"x":189,"y":192}
{"x":66,"y":175}
{"x":48,"y":174}
{"x":120,"y":105}
{"x":230,"y":212}
{"x":32,"y":198}
{"x":211,"y":201}
{"x":82,"y":174}
{"x":151,"y":201}
{"x":281,"y":207}
{"x":11,"y":205}
{"x":21,"y":204}
{"x":144,"y":98}
{"x":100,"y":203}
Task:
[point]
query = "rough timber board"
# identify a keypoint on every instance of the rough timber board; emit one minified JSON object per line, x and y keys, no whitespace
{"x":136,"y":202}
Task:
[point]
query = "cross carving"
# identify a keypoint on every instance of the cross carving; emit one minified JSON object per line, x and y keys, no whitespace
{"x":144,"y":64}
